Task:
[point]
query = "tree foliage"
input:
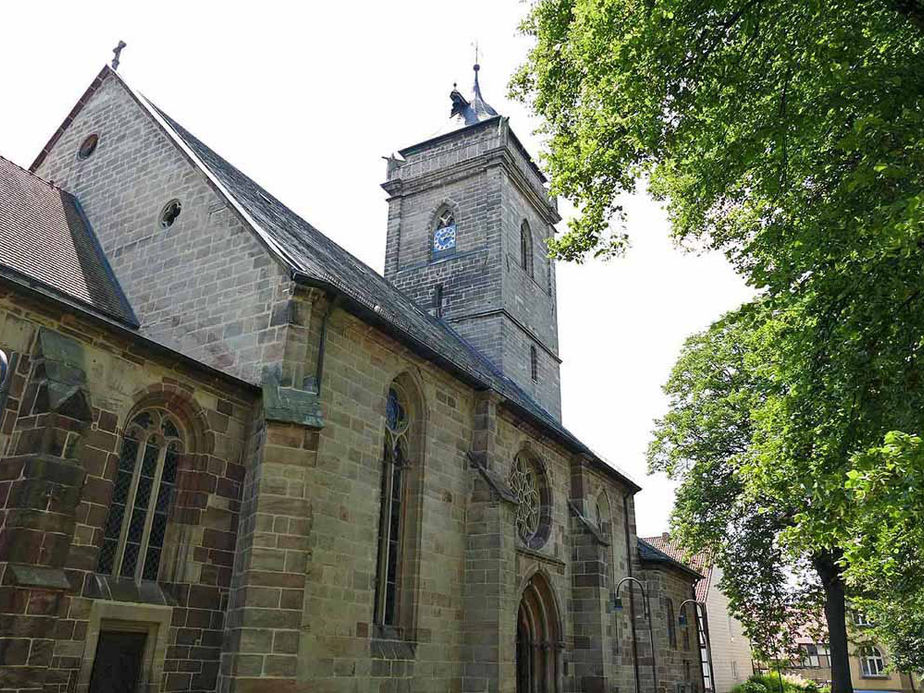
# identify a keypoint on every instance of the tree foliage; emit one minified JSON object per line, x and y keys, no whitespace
{"x":788,"y":135}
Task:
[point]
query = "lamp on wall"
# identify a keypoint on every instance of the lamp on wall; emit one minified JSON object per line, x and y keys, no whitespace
{"x":617,"y":605}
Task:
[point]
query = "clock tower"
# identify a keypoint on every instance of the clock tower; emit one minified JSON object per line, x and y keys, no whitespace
{"x":469,"y":215}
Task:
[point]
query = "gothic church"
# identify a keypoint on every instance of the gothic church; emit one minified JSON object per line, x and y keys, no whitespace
{"x":234,"y":458}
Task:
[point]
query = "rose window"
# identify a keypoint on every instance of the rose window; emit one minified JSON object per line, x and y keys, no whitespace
{"x":528,"y":485}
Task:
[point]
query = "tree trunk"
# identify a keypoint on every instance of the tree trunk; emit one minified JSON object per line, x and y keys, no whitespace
{"x":836,"y":616}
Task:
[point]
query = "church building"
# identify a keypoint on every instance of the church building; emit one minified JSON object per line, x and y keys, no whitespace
{"x":235,"y":459}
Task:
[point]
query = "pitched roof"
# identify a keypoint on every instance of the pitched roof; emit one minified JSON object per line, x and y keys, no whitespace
{"x":46,"y":239}
{"x":699,"y":561}
{"x":651,"y":554}
{"x":314,"y":259}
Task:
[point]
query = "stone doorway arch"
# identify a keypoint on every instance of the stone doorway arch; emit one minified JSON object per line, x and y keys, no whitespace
{"x":539,"y":639}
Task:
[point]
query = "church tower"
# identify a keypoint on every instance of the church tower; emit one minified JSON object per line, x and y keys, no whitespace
{"x":468,"y":220}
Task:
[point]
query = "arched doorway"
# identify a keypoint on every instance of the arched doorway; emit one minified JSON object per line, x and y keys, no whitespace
{"x":539,"y":646}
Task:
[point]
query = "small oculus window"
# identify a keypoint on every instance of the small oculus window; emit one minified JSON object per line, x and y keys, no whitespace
{"x":88,"y":146}
{"x":444,"y":234}
{"x":170,"y":213}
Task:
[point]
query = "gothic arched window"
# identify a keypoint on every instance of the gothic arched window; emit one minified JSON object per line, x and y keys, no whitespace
{"x":444,"y":234}
{"x":145,"y":480}
{"x":526,"y":248}
{"x":394,"y":468}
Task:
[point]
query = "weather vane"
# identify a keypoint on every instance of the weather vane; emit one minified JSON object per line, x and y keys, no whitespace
{"x":117,"y":51}
{"x":475,"y":45}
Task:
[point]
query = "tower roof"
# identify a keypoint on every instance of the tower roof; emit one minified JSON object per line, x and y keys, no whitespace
{"x":474,"y":110}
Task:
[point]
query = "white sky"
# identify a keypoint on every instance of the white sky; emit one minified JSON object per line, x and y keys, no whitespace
{"x":307,"y":97}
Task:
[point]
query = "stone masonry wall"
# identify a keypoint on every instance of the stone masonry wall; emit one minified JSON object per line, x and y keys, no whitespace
{"x":205,"y":286}
{"x":51,"y":602}
{"x":486,"y":294}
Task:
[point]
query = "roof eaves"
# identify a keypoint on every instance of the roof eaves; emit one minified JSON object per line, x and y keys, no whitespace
{"x":652,"y":554}
{"x":44,"y":292}
{"x":14,"y":276}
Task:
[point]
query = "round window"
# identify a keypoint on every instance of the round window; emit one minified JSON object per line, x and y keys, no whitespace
{"x":88,"y":146}
{"x":169,"y":214}
{"x":530,"y":486}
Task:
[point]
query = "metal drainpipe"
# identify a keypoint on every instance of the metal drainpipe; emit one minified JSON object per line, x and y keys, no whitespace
{"x":625,"y":509}
{"x":322,"y":340}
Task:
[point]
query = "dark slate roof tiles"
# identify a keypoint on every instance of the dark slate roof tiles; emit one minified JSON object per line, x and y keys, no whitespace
{"x":45,"y":238}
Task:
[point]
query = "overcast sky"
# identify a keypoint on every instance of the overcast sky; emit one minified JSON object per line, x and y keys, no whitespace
{"x":307,"y":97}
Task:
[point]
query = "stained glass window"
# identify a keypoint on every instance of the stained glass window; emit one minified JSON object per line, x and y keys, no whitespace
{"x":394,"y":466}
{"x":133,"y":536}
{"x":444,"y":234}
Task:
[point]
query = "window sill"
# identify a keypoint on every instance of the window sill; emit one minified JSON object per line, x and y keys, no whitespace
{"x":387,"y":643}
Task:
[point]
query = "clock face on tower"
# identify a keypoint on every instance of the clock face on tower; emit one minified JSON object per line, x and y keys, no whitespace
{"x":444,"y":238}
{"x":444,"y":235}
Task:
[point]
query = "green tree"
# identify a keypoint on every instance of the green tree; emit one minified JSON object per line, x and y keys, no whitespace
{"x":885,"y":558}
{"x":788,"y":135}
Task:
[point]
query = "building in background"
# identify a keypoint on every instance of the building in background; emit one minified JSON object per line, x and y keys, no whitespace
{"x":870,"y":662}
{"x":729,"y":648}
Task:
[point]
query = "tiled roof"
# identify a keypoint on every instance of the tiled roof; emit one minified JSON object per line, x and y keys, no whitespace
{"x":699,"y":562}
{"x":46,"y":239}
{"x":315,"y":259}
{"x":651,"y":554}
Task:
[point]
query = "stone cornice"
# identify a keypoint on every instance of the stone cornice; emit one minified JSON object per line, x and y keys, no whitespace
{"x":497,"y":156}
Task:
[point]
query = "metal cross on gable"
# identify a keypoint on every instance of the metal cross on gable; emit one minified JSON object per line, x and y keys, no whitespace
{"x":117,"y":51}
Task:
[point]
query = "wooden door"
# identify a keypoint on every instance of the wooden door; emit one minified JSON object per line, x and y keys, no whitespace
{"x":118,"y":661}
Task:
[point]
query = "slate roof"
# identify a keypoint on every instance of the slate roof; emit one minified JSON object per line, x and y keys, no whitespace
{"x":699,"y":562}
{"x":314,"y":259}
{"x":46,"y":239}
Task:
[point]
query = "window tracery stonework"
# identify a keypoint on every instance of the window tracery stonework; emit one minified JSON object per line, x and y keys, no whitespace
{"x":143,"y":489}
{"x":529,"y":485}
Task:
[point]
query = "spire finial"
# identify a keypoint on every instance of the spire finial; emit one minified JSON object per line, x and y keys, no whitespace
{"x":117,"y":51}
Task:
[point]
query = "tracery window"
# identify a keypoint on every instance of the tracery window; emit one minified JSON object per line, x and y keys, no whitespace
{"x":871,"y":662}
{"x":444,"y":234}
{"x":526,"y":248}
{"x":394,"y":468}
{"x":528,"y":483}
{"x":145,"y":480}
